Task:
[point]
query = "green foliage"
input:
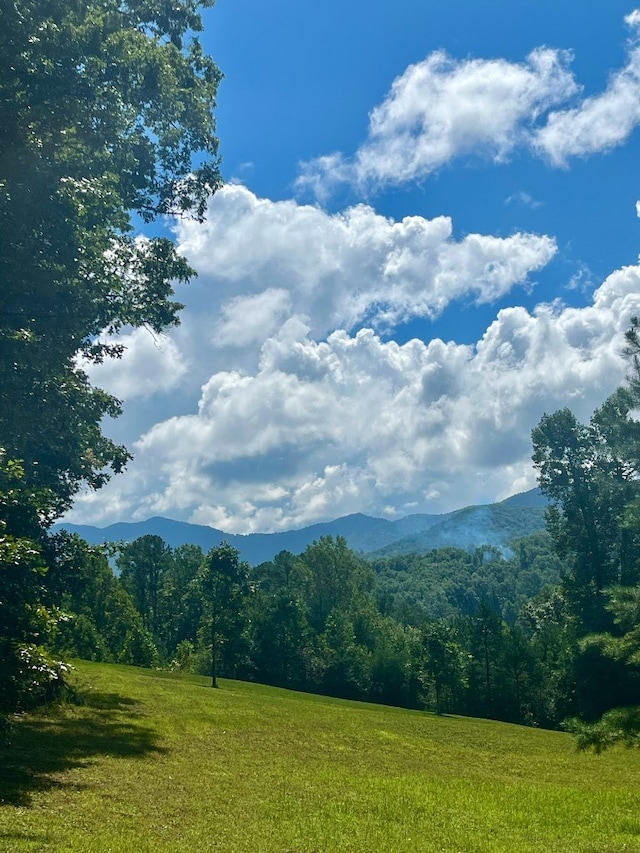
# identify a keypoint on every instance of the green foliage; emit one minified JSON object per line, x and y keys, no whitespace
{"x":443,"y":666}
{"x":585,"y":471}
{"x":184,"y":658}
{"x":180,"y":601}
{"x":617,"y":726}
{"x":224,"y":585}
{"x":28,"y":673}
{"x":138,"y":647}
{"x":105,"y":106}
{"x":78,"y":637}
{"x":393,"y":669}
{"x":98,"y":611}
{"x":346,"y":662}
{"x":591,"y":475}
{"x":335,"y":577}
{"x":448,"y":582}
{"x":107,"y":111}
{"x":142,"y":565}
{"x":284,"y":648}
{"x":313,"y":622}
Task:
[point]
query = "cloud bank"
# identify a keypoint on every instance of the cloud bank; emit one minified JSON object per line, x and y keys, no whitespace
{"x":281,"y":400}
{"x":300,"y":410}
{"x":267,"y":260}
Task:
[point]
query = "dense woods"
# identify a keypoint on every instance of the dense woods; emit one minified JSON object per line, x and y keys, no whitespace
{"x":450,"y":630}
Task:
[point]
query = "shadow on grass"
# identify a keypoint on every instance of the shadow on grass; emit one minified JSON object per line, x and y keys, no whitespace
{"x":40,"y":748}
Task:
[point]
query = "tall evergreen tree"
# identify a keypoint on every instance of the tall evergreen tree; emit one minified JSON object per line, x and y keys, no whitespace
{"x":592,"y":476}
{"x":224,"y":586}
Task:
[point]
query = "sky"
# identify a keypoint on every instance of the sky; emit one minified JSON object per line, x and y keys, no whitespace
{"x":428,"y":238}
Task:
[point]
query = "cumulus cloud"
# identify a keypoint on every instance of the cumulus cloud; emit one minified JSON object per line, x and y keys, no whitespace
{"x":150,"y":364}
{"x":443,"y":108}
{"x":292,"y":405}
{"x":247,"y":319}
{"x":262,"y":261}
{"x":600,"y":122}
{"x":268,"y":270}
{"x":353,"y":423}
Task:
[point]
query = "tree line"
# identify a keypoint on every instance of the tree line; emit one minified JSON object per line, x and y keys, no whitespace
{"x":323,"y":621}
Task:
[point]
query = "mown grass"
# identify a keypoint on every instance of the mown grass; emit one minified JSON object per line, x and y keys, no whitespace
{"x":153,"y":762}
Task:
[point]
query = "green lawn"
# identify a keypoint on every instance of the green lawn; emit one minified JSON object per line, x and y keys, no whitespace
{"x":153,"y":762}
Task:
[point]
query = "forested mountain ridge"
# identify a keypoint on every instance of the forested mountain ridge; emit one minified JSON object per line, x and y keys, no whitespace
{"x":469,"y":528}
{"x":493,"y":524}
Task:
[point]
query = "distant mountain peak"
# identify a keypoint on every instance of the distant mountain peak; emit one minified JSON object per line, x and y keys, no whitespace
{"x":472,"y":526}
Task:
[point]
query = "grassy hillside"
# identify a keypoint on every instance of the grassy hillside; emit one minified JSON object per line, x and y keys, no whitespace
{"x":154,"y":762}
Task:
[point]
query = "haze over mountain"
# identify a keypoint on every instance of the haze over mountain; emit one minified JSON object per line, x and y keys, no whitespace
{"x":492,"y":524}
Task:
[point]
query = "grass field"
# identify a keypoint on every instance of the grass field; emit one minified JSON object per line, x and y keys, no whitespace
{"x":153,"y":762}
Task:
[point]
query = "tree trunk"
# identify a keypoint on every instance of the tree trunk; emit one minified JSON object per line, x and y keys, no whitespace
{"x":214,"y":679}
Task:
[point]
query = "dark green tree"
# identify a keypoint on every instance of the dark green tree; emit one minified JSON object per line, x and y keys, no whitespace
{"x":336,"y":578}
{"x":284,"y":647}
{"x":485,"y":644}
{"x":586,"y":473}
{"x":138,"y":648}
{"x":546,"y":623}
{"x":106,"y":113}
{"x":521,"y":675}
{"x":621,"y":649}
{"x":143,"y":564}
{"x":105,"y":108}
{"x":224,"y":585}
{"x":346,"y":661}
{"x":180,"y":602}
{"x":98,"y":612}
{"x":592,"y":475}
{"x":27,"y":672}
{"x":392,"y":681}
{"x":443,"y":666}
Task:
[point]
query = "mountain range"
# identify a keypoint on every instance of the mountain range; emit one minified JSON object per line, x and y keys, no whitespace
{"x":488,"y":524}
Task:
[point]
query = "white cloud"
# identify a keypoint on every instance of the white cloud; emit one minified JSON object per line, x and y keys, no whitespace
{"x":292,"y":407}
{"x":150,"y":364}
{"x":323,"y":428}
{"x":247,"y":319}
{"x":260,"y":261}
{"x":632,"y":20}
{"x":274,"y":274}
{"x":599,"y":122}
{"x":443,"y":108}
{"x":525,"y":199}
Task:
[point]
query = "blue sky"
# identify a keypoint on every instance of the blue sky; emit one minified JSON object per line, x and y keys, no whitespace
{"x":427,"y":239}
